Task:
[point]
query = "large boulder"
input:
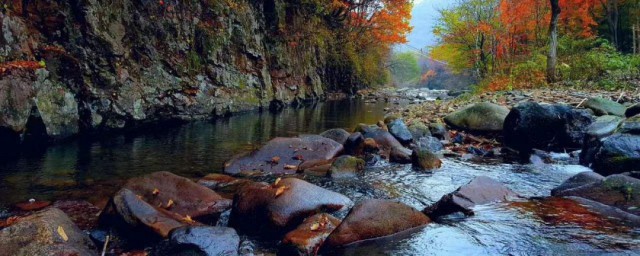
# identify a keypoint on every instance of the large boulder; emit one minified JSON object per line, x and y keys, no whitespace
{"x":280,"y":207}
{"x":160,"y":202}
{"x":49,"y":232}
{"x":346,"y":167}
{"x":375,"y":218}
{"x":189,"y":198}
{"x":481,"y":190}
{"x":619,"y":191}
{"x":200,"y":240}
{"x":399,"y":130}
{"x":339,"y":135}
{"x":531,"y":125}
{"x":285,"y":152}
{"x":603,"y":107}
{"x":614,"y":154}
{"x":307,"y":238}
{"x":479,"y":117}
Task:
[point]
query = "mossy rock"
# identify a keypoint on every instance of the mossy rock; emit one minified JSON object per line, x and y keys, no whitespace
{"x":480,"y":117}
{"x":603,"y":107}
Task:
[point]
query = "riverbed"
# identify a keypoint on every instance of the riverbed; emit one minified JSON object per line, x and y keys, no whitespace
{"x":93,"y":169}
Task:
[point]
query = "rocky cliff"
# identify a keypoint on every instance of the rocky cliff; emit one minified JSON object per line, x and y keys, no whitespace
{"x":77,"y":66}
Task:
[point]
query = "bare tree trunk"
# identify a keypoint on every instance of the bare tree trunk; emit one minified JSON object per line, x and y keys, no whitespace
{"x":552,"y":59}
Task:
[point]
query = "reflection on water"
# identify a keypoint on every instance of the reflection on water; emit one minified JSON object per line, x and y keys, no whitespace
{"x":93,"y":170}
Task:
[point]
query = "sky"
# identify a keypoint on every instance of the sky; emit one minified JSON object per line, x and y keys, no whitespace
{"x":425,"y":13}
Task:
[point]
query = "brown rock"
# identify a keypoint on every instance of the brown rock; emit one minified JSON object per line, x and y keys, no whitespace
{"x":225,"y":185}
{"x":290,"y":151}
{"x":307,"y":238}
{"x":374,"y":218}
{"x":278,"y":208}
{"x":481,"y":190}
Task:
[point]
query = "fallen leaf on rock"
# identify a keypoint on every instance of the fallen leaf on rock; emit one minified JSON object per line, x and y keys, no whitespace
{"x":315,"y":226}
{"x":290,"y":167}
{"x":298,"y":157}
{"x":155,"y":192}
{"x":169,"y":204}
{"x":62,"y":233}
{"x":277,"y":181}
{"x":275,"y":160}
{"x":188,"y":219}
{"x":280,"y":190}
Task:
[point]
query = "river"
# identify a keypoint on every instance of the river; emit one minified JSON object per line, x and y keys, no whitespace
{"x":93,"y":169}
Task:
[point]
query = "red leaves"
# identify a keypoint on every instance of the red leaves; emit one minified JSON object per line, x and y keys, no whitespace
{"x":19,"y":65}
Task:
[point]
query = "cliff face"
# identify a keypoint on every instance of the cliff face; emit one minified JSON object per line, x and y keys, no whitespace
{"x":74,"y":66}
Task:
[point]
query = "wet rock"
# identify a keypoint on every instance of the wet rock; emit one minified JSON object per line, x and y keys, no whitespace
{"x":353,"y":145}
{"x":49,"y":232}
{"x":32,"y":205}
{"x":290,"y":151}
{"x":82,"y":213}
{"x":399,"y":130}
{"x":579,"y":180}
{"x":632,"y":110}
{"x":531,"y":125}
{"x":480,"y":117}
{"x":609,"y":212}
{"x":604,"y":126}
{"x":318,"y":168}
{"x":339,"y":135}
{"x":375,"y":218}
{"x":620,"y":191}
{"x":225,"y":185}
{"x":603,"y":107}
{"x":439,"y":131}
{"x":264,"y":208}
{"x":200,"y":240}
{"x":137,"y":218}
{"x":630,"y":125}
{"x":425,"y":160}
{"x":614,"y":154}
{"x":189,"y":198}
{"x":419,"y":130}
{"x":431,"y":144}
{"x":390,"y":148}
{"x":346,"y":167}
{"x":307,"y":238}
{"x":481,"y":190}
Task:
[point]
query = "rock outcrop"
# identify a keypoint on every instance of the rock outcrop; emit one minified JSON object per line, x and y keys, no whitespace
{"x":70,"y":67}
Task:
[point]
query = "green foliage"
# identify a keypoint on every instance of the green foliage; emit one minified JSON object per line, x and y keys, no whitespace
{"x":404,"y":68}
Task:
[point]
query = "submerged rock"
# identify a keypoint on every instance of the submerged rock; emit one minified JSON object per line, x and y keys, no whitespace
{"x":619,"y":191}
{"x":264,"y":208}
{"x":399,"y":130}
{"x":479,"y":117}
{"x":49,"y":232}
{"x":481,"y":190}
{"x":307,"y":238}
{"x":346,"y":167}
{"x":374,"y":218}
{"x":603,"y":107}
{"x":338,"y":135}
{"x":288,"y":151}
{"x":200,"y":240}
{"x":531,"y":125}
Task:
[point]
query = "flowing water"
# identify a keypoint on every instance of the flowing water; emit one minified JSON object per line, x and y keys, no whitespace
{"x":92,"y":170}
